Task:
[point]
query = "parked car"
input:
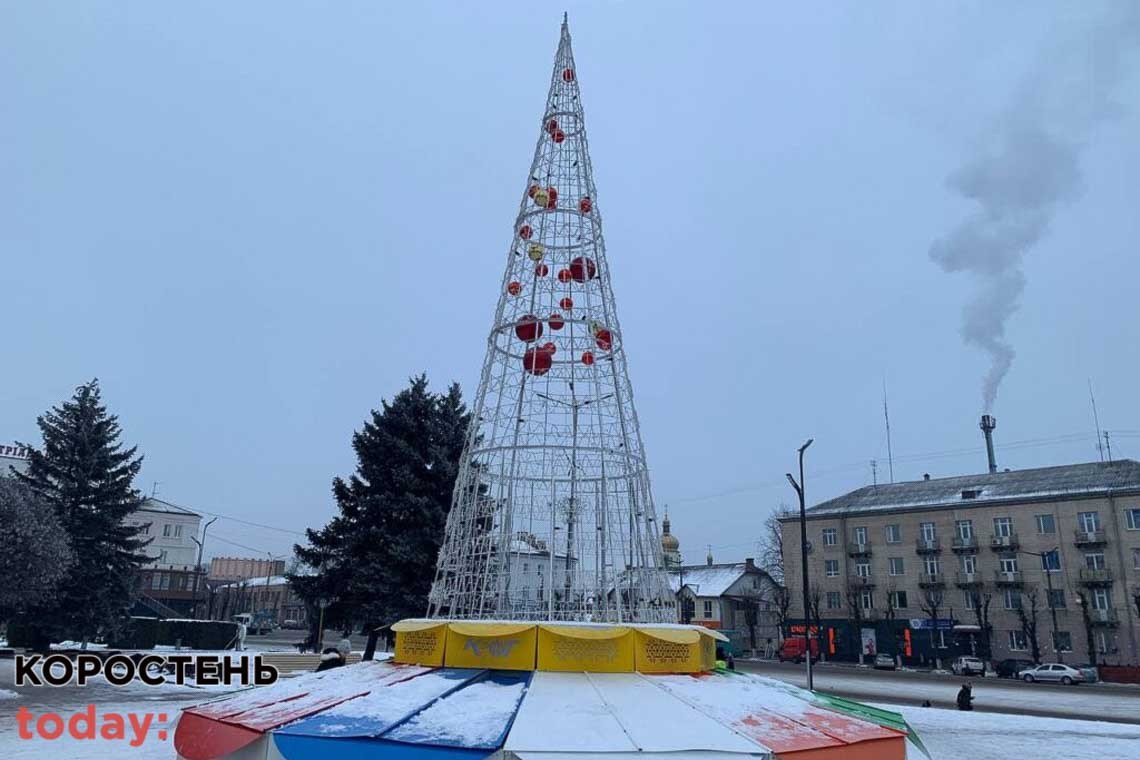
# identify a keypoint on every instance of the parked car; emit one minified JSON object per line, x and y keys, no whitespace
{"x":1052,"y":671}
{"x":291,"y":625}
{"x":968,"y":665}
{"x":793,"y":649}
{"x":884,"y":661}
{"x":1012,"y":667}
{"x":1092,"y":675}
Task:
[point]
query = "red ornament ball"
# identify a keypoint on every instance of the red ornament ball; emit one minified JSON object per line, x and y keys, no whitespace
{"x":565,"y":275}
{"x":558,"y":135}
{"x":514,"y":288}
{"x":603,"y":339}
{"x":529,"y":329}
{"x":536,"y":361}
{"x":552,"y":197}
{"x":567,"y":76}
{"x":556,"y":322}
{"x":587,"y":358}
{"x":542,"y":270}
{"x":582,"y":269}
{"x":552,"y":125}
{"x":567,"y":303}
{"x":525,"y":232}
{"x":585,"y":205}
{"x":550,"y":348}
{"x":532,"y":190}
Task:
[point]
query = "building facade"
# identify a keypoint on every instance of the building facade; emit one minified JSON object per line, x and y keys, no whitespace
{"x":171,"y":583}
{"x":978,"y":564}
{"x":736,"y":598}
{"x":231,"y":569}
{"x":271,"y":597}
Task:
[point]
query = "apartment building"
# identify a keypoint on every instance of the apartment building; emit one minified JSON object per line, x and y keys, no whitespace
{"x":980,"y":564}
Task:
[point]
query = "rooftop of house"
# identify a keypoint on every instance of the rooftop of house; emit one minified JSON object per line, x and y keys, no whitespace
{"x":709,"y":580}
{"x":151,"y":504}
{"x":1072,"y":481}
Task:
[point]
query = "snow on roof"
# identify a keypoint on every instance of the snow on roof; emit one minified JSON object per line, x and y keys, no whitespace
{"x":707,"y":580}
{"x":151,"y":504}
{"x":276,"y":580}
{"x":1067,"y":481}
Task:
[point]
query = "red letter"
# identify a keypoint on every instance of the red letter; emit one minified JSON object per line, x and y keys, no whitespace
{"x":88,"y":716}
{"x":113,"y":721}
{"x":54,"y":733}
{"x":23,"y":718}
{"x":140,"y":727}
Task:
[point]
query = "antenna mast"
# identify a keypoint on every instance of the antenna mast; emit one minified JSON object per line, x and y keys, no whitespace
{"x":1096,"y":421}
{"x":887,"y":419}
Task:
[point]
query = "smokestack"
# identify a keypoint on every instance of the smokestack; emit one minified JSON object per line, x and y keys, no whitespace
{"x":987,"y":425}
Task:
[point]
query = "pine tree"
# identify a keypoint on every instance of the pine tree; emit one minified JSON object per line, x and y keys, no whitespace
{"x":84,"y":473}
{"x":36,"y":552}
{"x":377,"y":556}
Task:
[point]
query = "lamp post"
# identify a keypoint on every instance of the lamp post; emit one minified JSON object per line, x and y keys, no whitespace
{"x":799,"y":486}
{"x":1056,"y":550}
{"x":198,"y":569}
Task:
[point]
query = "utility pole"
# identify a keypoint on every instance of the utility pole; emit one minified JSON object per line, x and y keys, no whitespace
{"x":887,"y":419}
{"x":1107,"y":446}
{"x":799,"y":486}
{"x":198,"y":569}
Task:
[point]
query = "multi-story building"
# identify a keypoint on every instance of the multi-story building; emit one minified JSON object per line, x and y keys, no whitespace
{"x":13,"y":456}
{"x":243,"y":568}
{"x":171,"y":583}
{"x":977,"y":564}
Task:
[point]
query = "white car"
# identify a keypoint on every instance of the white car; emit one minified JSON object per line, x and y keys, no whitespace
{"x":1052,"y":671}
{"x":968,"y":666}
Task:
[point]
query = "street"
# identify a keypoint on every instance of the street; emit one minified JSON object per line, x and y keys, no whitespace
{"x":1104,"y":702}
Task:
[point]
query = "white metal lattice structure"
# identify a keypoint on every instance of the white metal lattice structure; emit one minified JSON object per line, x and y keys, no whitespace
{"x":552,"y":516}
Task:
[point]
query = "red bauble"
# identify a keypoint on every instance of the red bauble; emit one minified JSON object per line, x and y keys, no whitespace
{"x":552,"y":125}
{"x":555,"y":322}
{"x":542,"y":270}
{"x":532,"y":190}
{"x":567,"y":75}
{"x":525,"y":232}
{"x":585,"y":205}
{"x":529,"y":328}
{"x":567,"y":303}
{"x":558,"y":135}
{"x":582,"y":269}
{"x":550,"y":348}
{"x":603,"y":338}
{"x":587,"y":358}
{"x":536,"y":361}
{"x":514,"y":288}
{"x":552,"y":196}
{"x":565,"y":275}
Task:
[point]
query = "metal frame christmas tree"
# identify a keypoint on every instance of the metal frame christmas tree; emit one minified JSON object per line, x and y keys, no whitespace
{"x":552,"y":516}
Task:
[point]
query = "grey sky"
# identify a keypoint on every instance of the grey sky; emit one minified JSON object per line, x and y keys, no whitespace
{"x":252,"y":221}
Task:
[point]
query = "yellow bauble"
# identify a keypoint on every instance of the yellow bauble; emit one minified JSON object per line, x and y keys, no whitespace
{"x":535,"y":251}
{"x":541,"y":198}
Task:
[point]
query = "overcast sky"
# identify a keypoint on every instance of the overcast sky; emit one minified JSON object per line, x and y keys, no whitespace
{"x":252,"y":221}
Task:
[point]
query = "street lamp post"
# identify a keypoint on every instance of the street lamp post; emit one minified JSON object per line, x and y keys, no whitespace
{"x":1049,"y":584}
{"x":198,"y":568}
{"x":799,"y":486}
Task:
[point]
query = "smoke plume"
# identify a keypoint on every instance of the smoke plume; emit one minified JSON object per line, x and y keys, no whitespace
{"x":1024,"y":168}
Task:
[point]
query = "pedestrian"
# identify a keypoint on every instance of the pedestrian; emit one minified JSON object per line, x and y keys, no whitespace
{"x":965,"y":699}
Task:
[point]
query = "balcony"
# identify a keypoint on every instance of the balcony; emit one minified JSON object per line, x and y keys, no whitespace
{"x":1089,"y":538}
{"x":1008,"y":578}
{"x":1004,"y":543}
{"x":932,"y":580}
{"x":860,"y":581}
{"x":858,"y":550}
{"x":964,"y":545}
{"x":928,"y":546}
{"x":1090,"y":577}
{"x":1106,"y":618}
{"x":968,"y":580}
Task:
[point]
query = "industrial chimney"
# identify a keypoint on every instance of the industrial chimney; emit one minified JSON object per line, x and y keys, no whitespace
{"x":987,"y":425}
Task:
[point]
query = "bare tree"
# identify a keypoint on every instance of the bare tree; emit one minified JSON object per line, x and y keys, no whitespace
{"x":772,"y":545}
{"x":980,"y":599}
{"x":889,"y":615}
{"x":932,"y":599}
{"x":783,"y":601}
{"x":854,"y":599}
{"x":1028,"y":618}
{"x":814,"y":603}
{"x":1086,"y":617}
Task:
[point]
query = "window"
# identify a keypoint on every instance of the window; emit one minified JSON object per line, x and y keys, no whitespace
{"x":1051,"y":561}
{"x":941,"y":639}
{"x":927,"y":529}
{"x":178,"y":531}
{"x":1094,"y":560}
{"x":895,"y":565}
{"x":1046,"y":524}
{"x":863,"y":569}
{"x":155,"y":580}
{"x":1003,"y":527}
{"x":965,"y":529}
{"x":1063,"y":641}
{"x":708,"y":609}
{"x":1136,"y":559}
{"x":1017,"y":642}
{"x":866,"y":600}
{"x":829,"y":536}
{"x":860,"y":535}
{"x":931,"y":564}
{"x":1100,"y":599}
{"x":146,"y":530}
{"x":162,"y":557}
{"x":831,"y":568}
{"x":1012,"y":599}
{"x":1089,"y":522}
{"x":1104,"y":643}
{"x":526,"y":567}
{"x":1132,"y":516}
{"x":165,"y":581}
{"x":1057,"y":598}
{"x":833,"y":600}
{"x":969,"y":599}
{"x":1009,"y":563}
{"x":899,"y":600}
{"x":969,"y":564}
{"x":894,"y":534}
{"x":166,"y":530}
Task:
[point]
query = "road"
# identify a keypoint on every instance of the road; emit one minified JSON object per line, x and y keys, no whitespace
{"x":1104,"y":702}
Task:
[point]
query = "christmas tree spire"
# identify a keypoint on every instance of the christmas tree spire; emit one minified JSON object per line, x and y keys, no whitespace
{"x":553,"y":515}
